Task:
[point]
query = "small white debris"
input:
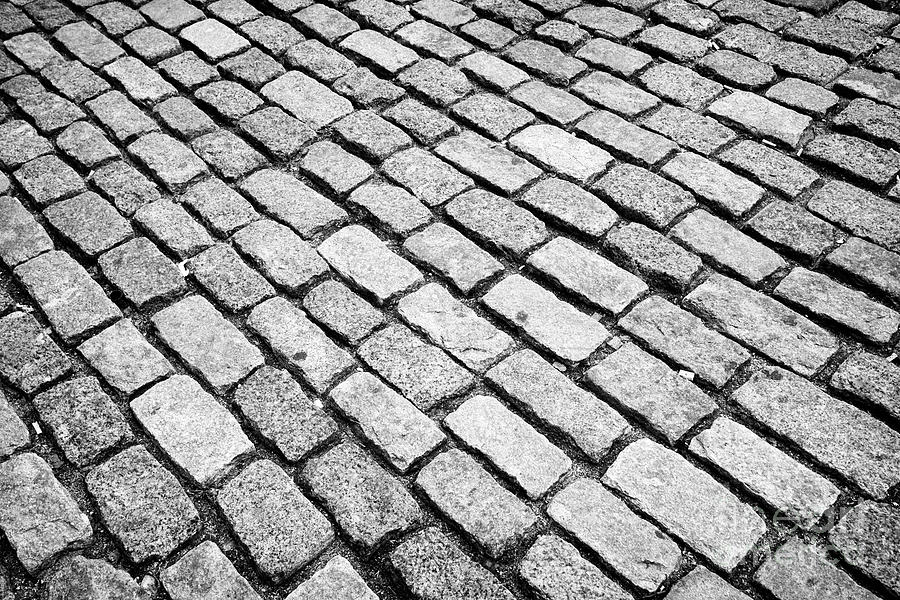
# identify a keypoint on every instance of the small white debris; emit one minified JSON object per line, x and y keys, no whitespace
{"x":148,"y":583}
{"x":318,"y":403}
{"x":892,"y":357}
{"x":559,"y":366}
{"x":689,"y":375}
{"x":182,"y":266}
{"x":24,"y":308}
{"x":37,"y":428}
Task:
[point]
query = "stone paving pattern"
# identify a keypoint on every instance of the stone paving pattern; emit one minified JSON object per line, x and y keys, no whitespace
{"x":449,"y":300}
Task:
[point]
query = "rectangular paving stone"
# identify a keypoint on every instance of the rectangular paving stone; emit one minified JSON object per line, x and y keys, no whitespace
{"x":653,"y":255}
{"x":792,"y":489}
{"x":73,"y":302}
{"x":47,"y":179}
{"x":558,"y":106}
{"x":834,"y":433}
{"x":21,"y":236}
{"x":434,"y":40}
{"x":509,"y":443}
{"x":678,"y":84}
{"x":492,"y":115}
{"x":869,"y":263}
{"x":684,"y":339}
{"x":644,"y":195}
{"x":641,"y":383}
{"x":545,"y":61}
{"x":453,"y":255}
{"x":204,"y":573}
{"x":495,"y":165}
{"x":384,"y":53}
{"x":302,"y":346}
{"x":762,"y":117}
{"x":820,"y":295}
{"x":213,"y":39}
{"x":763,"y":324}
{"x":857,"y":537}
{"x":170,"y":160}
{"x":124,"y":357}
{"x":686,"y":501}
{"x":619,"y":59}
{"x":194,"y":430}
{"x":306,"y":99}
{"x":390,"y":422}
{"x":726,"y":247}
{"x":220,"y":207}
{"x":614,"y":94}
{"x":871,"y":379}
{"x":233,"y":284}
{"x":858,"y":157}
{"x":37,"y":514}
{"x":336,"y":580}
{"x":142,"y":504}
{"x":29,"y":358}
{"x":425,"y":124}
{"x":14,"y":434}
{"x":463,"y":491}
{"x":430,"y":179}
{"x":291,"y":201}
{"x":554,"y":400}
{"x":561,"y":152}
{"x":634,"y":548}
{"x":423,"y":373}
{"x":171,"y":225}
{"x":864,"y":214}
{"x":344,"y":312}
{"x":141,"y":83}
{"x":434,"y":567}
{"x":497,"y":220}
{"x":358,"y":254}
{"x":334,"y":167}
{"x":141,"y":272}
{"x":89,"y":45}
{"x":453,"y":326}
{"x":567,"y":204}
{"x":699,"y":133}
{"x":551,"y":323}
{"x":606,"y":21}
{"x":791,"y":227}
{"x":20,"y":144}
{"x":615,"y":133}
{"x":393,"y":207}
{"x":714,"y":183}
{"x":587,"y":275}
{"x":770,"y":167}
{"x":276,"y":407}
{"x":867,"y":118}
{"x":278,"y":525}
{"x":491,"y":70}
{"x":703,"y":584}
{"x":369,"y":505}
{"x":281,"y":256}
{"x":555,"y":568}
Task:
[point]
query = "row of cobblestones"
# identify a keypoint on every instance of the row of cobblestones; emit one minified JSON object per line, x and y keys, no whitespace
{"x":488,"y":299}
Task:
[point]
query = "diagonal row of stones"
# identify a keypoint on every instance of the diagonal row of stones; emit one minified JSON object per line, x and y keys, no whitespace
{"x":765,"y":274}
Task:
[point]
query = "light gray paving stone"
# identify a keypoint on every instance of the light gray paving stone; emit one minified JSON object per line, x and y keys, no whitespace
{"x":871,"y":379}
{"x":220,"y":207}
{"x":326,"y":22}
{"x":614,"y":94}
{"x":337,"y":580}
{"x":204,"y":573}
{"x":790,"y":226}
{"x":540,"y":390}
{"x":221,"y":272}
{"x":386,"y":54}
{"x":868,"y":263}
{"x":644,"y":195}
{"x":792,"y":489}
{"x":554,"y":568}
{"x":86,"y":144}
{"x":141,"y":272}
{"x":357,"y":254}
{"x":453,"y":255}
{"x":169,"y":160}
{"x":653,"y":255}
{"x":561,"y":152}
{"x":587,"y":275}
{"x":214,"y":39}
{"x":491,"y":114}
{"x":371,"y":135}
{"x":392,"y":206}
{"x":141,"y":83}
{"x":21,"y":143}
{"x":803,"y":96}
{"x":763,"y":324}
{"x":21,"y":237}
{"x":89,"y":45}
{"x":276,"y":407}
{"x":497,"y":220}
{"x":307,"y":99}
{"x":834,"y":433}
{"x":430,"y":179}
{"x":497,"y":166}
{"x":380,"y":14}
{"x":715,"y":184}
{"x":737,"y":69}
{"x":334,"y":167}
{"x":820,"y":295}
{"x":194,"y":430}
{"x":686,"y":501}
{"x":124,"y":358}
{"x":281,"y":256}
{"x":423,"y":373}
{"x":453,"y":326}
{"x":617,"y":134}
{"x":865,"y":539}
{"x":770,"y":167}
{"x":278,"y":525}
{"x":509,"y":443}
{"x":125,"y":186}
{"x":619,"y":59}
{"x":47,"y":179}
{"x":644,"y":384}
{"x":437,"y":41}
{"x":551,"y":323}
{"x":79,"y":578}
{"x":696,"y":132}
{"x":703,"y":584}
{"x":37,"y":514}
{"x":491,"y":70}
{"x":470,"y":497}
{"x":445,"y":12}
{"x":342,"y":311}
{"x":425,"y":124}
{"x":29,"y":358}
{"x":546,"y":61}
{"x":302,"y":346}
{"x":228,"y":155}
{"x":872,"y":217}
{"x":13,"y":432}
{"x":726,"y":247}
{"x":74,"y":303}
{"x":801,"y":571}
{"x":209,"y":344}
{"x":369,"y":505}
{"x":568,"y":204}
{"x":125,"y":120}
{"x":762,"y":117}
{"x":433,"y":567}
{"x":855,"y":156}
{"x":390,"y":422}
{"x":291,"y":201}
{"x":679,"y":84}
{"x":685,"y":340}
{"x":142,"y":504}
{"x":554,"y":104}
{"x":634,"y":548}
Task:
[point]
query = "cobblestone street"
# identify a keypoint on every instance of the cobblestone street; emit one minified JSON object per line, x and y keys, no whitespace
{"x":449,"y":300}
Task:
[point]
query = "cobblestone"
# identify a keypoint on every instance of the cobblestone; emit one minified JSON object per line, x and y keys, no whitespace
{"x":645,"y":195}
{"x":869,"y":378}
{"x":342,"y":311}
{"x":337,"y":579}
{"x":205,"y":573}
{"x":125,"y":359}
{"x":858,"y":536}
{"x":283,"y":257}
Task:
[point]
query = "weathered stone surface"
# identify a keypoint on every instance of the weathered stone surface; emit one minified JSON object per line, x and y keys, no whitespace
{"x":871,"y":379}
{"x":204,"y":573}
{"x":307,"y":99}
{"x":856,"y":156}
{"x":801,"y":571}
{"x":141,"y":272}
{"x":221,"y":272}
{"x":453,"y":255}
{"x":499,"y":221}
{"x":337,"y":580}
{"x":793,"y":490}
{"x":497,"y":166}
{"x":762,"y":117}
{"x":369,"y":505}
{"x":21,"y":237}
{"x":653,"y":255}
{"x":210,"y":345}
{"x":833,"y":432}
{"x":869,"y":263}
{"x":37,"y":514}
{"x":89,"y":222}
{"x":703,"y":584}
{"x":277,"y":524}
{"x":864,"y":214}
{"x":171,"y":161}
{"x":713,"y":183}
{"x":142,"y":504}
{"x":555,"y":568}
{"x":29,"y":358}
{"x":643,"y":195}
{"x":283,"y":257}
{"x":619,"y":135}
{"x":561,"y":152}
{"x":342,"y":311}
{"x":764,"y":324}
{"x":80,"y":578}
{"x":13,"y":433}
{"x":866,"y":538}
{"x":686,"y":501}
{"x":401,"y":432}
{"x":430,"y":179}
{"x":614,"y":94}
{"x":637,"y":550}
{"x":470,"y":497}
{"x":395,"y":208}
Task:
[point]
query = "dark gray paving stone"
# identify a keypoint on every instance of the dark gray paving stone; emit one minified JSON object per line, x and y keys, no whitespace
{"x":47,"y":179}
{"x":871,"y":379}
{"x":644,"y":195}
{"x":141,"y":272}
{"x":29,"y":358}
{"x":90,"y":222}
{"x":81,"y":578}
{"x":204,"y":573}
{"x":653,"y":255}
{"x":13,"y":432}
{"x":342,"y":311}
{"x":23,"y":237}
{"x":863,"y":537}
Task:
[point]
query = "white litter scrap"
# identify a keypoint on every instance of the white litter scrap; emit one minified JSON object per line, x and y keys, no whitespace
{"x":689,"y":375}
{"x":892,"y":357}
{"x":37,"y":428}
{"x":559,"y":366}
